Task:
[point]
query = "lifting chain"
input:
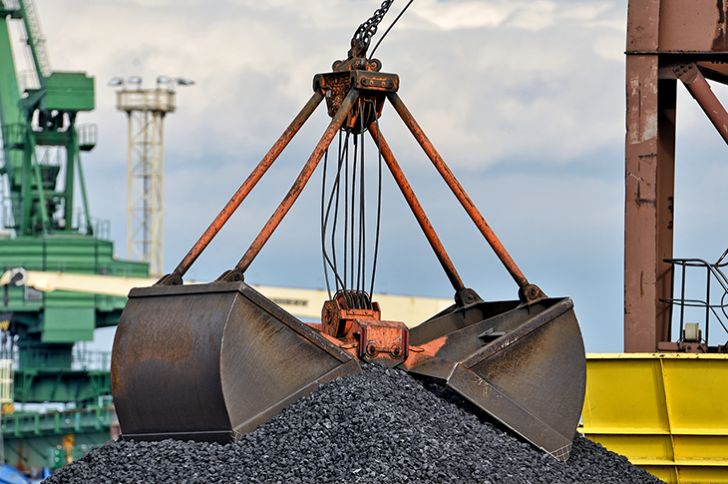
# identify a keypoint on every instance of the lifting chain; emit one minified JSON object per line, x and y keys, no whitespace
{"x":363,"y":35}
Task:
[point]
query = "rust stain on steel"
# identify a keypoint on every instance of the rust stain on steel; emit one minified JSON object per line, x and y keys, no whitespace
{"x":300,"y":182}
{"x":249,"y":183}
{"x":643,"y":20}
{"x":417,"y":209}
{"x":458,"y":190}
{"x":649,"y":188}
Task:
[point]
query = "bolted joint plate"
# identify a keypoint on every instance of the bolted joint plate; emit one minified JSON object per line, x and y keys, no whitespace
{"x":383,"y":342}
{"x":374,"y":85}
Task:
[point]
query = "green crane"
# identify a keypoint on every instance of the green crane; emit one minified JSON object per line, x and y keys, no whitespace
{"x":42,"y":228}
{"x":43,"y":122}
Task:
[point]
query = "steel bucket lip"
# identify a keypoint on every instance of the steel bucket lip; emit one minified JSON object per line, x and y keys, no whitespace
{"x":256,"y":298}
{"x":561,"y":306}
{"x":208,"y":287}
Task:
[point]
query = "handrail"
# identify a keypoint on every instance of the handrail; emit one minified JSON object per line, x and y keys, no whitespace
{"x":712,"y":269}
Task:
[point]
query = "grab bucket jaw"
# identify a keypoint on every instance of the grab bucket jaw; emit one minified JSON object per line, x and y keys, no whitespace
{"x":212,"y":361}
{"x":524,"y":365}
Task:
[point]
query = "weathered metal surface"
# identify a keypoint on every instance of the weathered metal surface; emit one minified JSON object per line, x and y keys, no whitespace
{"x":363,"y":75}
{"x":417,"y":209}
{"x":529,"y":292}
{"x":643,"y":20}
{"x":666,"y":40}
{"x":525,"y":366}
{"x":176,"y":276}
{"x":694,"y":26}
{"x":677,"y":27}
{"x":384,"y":342}
{"x":207,"y":361}
{"x":649,"y":198}
{"x":354,"y":320}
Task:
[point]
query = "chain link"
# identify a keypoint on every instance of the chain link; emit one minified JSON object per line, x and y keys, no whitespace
{"x":363,"y":35}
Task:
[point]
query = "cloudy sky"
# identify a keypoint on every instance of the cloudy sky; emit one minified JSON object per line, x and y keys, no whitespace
{"x":524,"y":100}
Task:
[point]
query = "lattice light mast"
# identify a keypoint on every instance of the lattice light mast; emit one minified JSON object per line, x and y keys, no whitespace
{"x":145,"y":109}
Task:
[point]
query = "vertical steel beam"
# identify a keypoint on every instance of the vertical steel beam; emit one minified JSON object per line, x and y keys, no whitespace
{"x":649,"y":183}
{"x":649,"y":196}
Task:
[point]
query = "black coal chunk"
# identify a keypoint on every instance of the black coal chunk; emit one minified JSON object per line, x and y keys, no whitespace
{"x":380,"y":426}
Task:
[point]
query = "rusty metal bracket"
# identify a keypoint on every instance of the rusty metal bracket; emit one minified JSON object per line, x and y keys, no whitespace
{"x":363,"y":76}
{"x":385,"y":342}
{"x":691,"y":77}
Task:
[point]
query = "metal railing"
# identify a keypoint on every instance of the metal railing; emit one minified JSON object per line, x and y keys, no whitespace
{"x":11,"y":4}
{"x":709,"y":305}
{"x":101,"y":227}
{"x":27,"y":79}
{"x":155,"y":100}
{"x":14,"y":135}
{"x":91,"y":360}
{"x":36,"y":36}
{"x":81,"y":359}
{"x":87,"y":134}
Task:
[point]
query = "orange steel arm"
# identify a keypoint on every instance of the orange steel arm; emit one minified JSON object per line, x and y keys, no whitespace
{"x":528,"y":292}
{"x":295,"y":191}
{"x":699,"y":88}
{"x":175,"y":277}
{"x":417,"y":210}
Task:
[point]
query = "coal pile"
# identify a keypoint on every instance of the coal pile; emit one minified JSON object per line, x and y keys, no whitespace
{"x":381,"y":426}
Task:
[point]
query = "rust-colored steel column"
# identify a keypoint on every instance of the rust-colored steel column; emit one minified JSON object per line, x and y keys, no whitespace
{"x":699,"y":88}
{"x":303,"y":177}
{"x":649,"y":183}
{"x":417,"y":210}
{"x":463,"y":197}
{"x":245,"y":189}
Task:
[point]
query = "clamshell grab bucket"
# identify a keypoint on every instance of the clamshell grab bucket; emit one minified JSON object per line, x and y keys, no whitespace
{"x":523,"y":364}
{"x":211,"y":361}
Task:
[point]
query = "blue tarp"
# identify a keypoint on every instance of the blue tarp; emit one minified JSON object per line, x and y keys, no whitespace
{"x":10,"y":475}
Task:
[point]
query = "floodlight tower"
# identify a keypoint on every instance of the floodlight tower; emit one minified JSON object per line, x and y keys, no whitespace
{"x":145,"y":109}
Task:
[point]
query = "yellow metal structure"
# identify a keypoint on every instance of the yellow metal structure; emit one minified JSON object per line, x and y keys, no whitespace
{"x":303,"y":303}
{"x":667,"y":413}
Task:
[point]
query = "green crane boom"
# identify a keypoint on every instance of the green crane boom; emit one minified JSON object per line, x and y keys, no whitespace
{"x":42,"y":171}
{"x":40,"y":136}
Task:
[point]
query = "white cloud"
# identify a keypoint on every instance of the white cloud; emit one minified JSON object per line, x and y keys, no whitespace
{"x":459,"y":15}
{"x":530,"y":15}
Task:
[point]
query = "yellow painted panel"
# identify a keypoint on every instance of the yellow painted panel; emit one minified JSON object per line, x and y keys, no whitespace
{"x":700,"y":475}
{"x":697,"y":393}
{"x":637,"y":447}
{"x":664,"y":412}
{"x":624,"y":393}
{"x":702,"y":447}
{"x":665,"y":473}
